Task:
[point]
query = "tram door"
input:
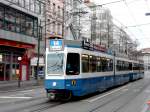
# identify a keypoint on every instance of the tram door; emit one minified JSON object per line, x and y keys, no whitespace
{"x":1,"y":71}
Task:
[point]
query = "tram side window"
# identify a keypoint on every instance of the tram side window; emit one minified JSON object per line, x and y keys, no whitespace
{"x":73,"y":64}
{"x":110,"y":64}
{"x":142,"y":67}
{"x":104,"y":64}
{"x":124,"y":65}
{"x":92,"y":64}
{"x":119,"y":65}
{"x":136,"y":66}
{"x":130,"y":66}
{"x":99,"y":64}
{"x":85,"y":63}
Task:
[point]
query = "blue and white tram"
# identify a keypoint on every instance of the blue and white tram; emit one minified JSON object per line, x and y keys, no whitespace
{"x":75,"y":71}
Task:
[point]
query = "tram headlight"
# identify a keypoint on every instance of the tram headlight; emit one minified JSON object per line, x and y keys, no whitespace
{"x":54,"y":83}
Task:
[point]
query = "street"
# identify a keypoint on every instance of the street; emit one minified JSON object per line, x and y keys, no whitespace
{"x":131,"y":97}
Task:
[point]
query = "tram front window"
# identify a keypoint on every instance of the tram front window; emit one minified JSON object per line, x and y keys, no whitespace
{"x":73,"y":64}
{"x":55,"y":63}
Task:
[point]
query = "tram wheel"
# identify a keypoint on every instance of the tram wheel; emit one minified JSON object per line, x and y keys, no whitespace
{"x":67,"y":96}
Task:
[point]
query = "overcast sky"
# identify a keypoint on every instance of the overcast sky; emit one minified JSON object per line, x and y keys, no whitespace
{"x":131,"y":14}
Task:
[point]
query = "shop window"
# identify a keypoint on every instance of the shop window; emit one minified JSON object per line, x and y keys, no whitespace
{"x":15,"y":58}
{"x":7,"y":57}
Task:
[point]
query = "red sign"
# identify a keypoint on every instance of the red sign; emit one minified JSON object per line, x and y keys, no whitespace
{"x":16,"y":44}
{"x":100,"y":48}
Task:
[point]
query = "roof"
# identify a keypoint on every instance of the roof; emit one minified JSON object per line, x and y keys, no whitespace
{"x":145,"y":50}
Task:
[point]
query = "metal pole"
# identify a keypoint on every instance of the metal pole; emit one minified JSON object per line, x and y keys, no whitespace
{"x":63,"y":21}
{"x":114,"y":65}
{"x":39,"y":36}
{"x":45,"y":39}
{"x":19,"y":75}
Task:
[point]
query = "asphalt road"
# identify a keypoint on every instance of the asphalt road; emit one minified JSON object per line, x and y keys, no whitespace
{"x":131,"y":97}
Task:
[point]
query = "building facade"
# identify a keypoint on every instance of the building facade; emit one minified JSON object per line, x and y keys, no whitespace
{"x":146,"y":59}
{"x":19,"y":32}
{"x":54,"y":17}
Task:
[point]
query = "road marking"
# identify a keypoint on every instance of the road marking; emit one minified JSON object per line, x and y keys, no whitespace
{"x":26,"y":91}
{"x":9,"y":97}
{"x":100,"y":97}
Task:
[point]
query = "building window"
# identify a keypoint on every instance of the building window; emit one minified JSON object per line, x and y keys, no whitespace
{"x":32,"y":5}
{"x":49,"y":2}
{"x":21,"y":3}
{"x":58,"y":29}
{"x":35,"y":27}
{"x":54,"y":8}
{"x":10,"y":19}
{"x":59,"y":11}
{"x":17,"y":21}
{"x":37,"y":7}
{"x":1,"y":17}
{"x":29,"y":26}
{"x":27,"y":4}
{"x":54,"y":26}
{"x":23,"y":24}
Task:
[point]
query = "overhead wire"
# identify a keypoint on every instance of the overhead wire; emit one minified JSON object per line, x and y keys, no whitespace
{"x":132,"y":15}
{"x":146,"y":3}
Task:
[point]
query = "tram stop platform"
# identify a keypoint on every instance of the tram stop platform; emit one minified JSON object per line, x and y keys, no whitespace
{"x":6,"y":86}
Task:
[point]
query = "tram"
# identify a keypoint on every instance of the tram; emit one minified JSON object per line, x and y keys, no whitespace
{"x":75,"y":68}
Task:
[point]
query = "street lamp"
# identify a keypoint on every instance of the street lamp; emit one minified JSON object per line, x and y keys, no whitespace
{"x":18,"y":71}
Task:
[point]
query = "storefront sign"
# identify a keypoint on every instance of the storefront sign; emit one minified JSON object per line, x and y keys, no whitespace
{"x":34,"y":61}
{"x":41,"y":73}
{"x":56,"y":44}
{"x":91,"y":46}
{"x":16,"y":44}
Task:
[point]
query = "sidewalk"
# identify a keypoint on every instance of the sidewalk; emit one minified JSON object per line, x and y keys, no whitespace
{"x":6,"y":86}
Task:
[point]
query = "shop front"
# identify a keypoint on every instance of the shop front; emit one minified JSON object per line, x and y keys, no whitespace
{"x":9,"y":63}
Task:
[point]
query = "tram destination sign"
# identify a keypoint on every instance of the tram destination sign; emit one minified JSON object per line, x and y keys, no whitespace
{"x":92,"y":47}
{"x":56,"y":45}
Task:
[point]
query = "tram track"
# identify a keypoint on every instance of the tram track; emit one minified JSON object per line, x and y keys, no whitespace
{"x":45,"y":107}
{"x":118,"y":108}
{"x":37,"y":107}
